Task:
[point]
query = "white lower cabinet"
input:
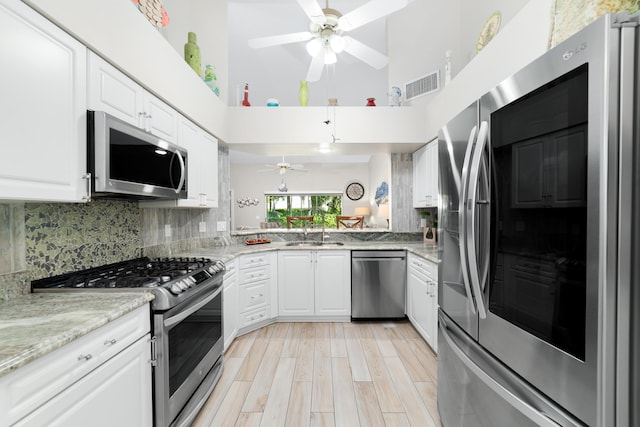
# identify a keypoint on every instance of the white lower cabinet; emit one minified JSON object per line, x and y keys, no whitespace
{"x":422,"y":298}
{"x":118,"y":393}
{"x":314,"y":284}
{"x":230,"y":303}
{"x":100,"y":379}
{"x":257,"y":282}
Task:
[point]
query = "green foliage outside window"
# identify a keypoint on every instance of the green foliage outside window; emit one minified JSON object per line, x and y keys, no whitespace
{"x":279,"y":206}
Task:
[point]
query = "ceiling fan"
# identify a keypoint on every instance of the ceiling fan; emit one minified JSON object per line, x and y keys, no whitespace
{"x":325,"y":36}
{"x":282,"y":167}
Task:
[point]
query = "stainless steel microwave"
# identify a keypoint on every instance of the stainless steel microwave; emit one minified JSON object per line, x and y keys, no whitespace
{"x":128,"y":162}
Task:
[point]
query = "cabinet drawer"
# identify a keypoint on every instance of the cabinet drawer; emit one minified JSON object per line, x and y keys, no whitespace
{"x":425,"y":268}
{"x":254,"y":274}
{"x":254,"y":316}
{"x":231,"y":267}
{"x":30,"y":386}
{"x":253,"y":296}
{"x":248,"y":261}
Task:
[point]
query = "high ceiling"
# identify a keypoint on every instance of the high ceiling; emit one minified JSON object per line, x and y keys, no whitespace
{"x":275,"y":72}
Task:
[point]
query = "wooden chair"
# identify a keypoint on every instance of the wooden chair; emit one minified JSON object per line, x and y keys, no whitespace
{"x":300,"y":221}
{"x":350,"y":221}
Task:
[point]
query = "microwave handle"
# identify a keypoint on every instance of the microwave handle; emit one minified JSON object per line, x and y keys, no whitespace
{"x":182,"y":171}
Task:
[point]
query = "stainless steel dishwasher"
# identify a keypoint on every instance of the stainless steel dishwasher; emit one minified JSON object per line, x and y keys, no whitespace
{"x":378,"y":284}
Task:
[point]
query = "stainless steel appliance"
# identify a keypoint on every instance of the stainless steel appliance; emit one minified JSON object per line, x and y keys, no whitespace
{"x":378,"y":284}
{"x":127,"y":162}
{"x":539,"y":183}
{"x":187,"y":343}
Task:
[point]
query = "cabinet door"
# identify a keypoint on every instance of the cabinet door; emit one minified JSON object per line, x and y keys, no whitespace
{"x":118,"y":393}
{"x":295,"y":283}
{"x":43,"y":109}
{"x":333,"y":283}
{"x":432,"y":174}
{"x":209,"y":169}
{"x":161,"y":119}
{"x":420,"y":178}
{"x":416,"y":291}
{"x":231,"y":309}
{"x":113,"y":92}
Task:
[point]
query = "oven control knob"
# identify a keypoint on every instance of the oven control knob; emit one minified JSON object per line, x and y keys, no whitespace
{"x":212,"y":270}
{"x":190,"y":281}
{"x":176,"y":289}
{"x":184,"y":285}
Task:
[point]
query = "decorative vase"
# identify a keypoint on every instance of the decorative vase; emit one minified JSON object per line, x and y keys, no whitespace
{"x":211,"y":79}
{"x":303,"y":93}
{"x":245,"y":100}
{"x":371,"y":102}
{"x":192,"y":53}
{"x":429,"y":235}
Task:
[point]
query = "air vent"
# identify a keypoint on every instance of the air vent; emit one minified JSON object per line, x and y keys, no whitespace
{"x":422,"y":86}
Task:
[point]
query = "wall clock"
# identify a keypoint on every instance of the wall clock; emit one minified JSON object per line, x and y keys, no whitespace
{"x":355,"y":191}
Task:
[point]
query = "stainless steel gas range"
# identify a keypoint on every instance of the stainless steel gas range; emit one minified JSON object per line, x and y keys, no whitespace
{"x":187,"y":343}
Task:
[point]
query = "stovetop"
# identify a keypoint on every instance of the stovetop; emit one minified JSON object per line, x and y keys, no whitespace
{"x":172,"y":280}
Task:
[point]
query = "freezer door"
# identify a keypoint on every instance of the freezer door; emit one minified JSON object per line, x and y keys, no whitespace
{"x":454,"y":291}
{"x":475,"y":390}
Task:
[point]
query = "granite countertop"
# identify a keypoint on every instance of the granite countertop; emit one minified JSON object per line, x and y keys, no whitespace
{"x":428,"y":251}
{"x":36,"y":324}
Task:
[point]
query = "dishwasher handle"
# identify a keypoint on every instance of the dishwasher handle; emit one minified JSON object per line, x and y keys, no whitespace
{"x":379,"y":259}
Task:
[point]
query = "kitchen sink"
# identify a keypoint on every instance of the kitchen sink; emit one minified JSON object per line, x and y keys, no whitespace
{"x":312,"y":243}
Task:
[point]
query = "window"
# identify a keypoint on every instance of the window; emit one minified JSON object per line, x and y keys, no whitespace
{"x":279,"y":206}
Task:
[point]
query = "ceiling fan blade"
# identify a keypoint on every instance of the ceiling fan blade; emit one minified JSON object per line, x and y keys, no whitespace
{"x":369,"y":12}
{"x":364,"y":53}
{"x":281,"y":39}
{"x":313,"y":10}
{"x":316,"y":67}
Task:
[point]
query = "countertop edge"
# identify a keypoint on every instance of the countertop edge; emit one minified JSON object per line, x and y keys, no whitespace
{"x":127,"y":302}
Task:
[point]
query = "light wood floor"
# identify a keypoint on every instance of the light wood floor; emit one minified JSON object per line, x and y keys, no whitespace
{"x":326,"y":374}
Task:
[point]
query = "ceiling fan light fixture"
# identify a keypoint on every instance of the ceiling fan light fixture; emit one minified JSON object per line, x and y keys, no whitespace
{"x":337,"y":43}
{"x":330,"y":57}
{"x":314,"y":46}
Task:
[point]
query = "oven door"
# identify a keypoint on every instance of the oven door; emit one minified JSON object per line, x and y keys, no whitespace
{"x":544,"y":308}
{"x":189,"y":345}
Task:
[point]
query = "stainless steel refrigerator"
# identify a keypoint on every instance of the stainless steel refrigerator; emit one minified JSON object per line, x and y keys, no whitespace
{"x":538,"y":286}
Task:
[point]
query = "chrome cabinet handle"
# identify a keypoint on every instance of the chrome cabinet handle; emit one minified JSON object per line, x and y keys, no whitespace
{"x":110,"y":342}
{"x":87,"y":356}
{"x":87,"y":177}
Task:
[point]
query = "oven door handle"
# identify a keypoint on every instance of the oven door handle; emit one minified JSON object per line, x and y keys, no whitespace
{"x":168,"y":323}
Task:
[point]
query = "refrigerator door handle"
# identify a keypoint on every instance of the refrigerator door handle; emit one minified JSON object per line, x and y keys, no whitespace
{"x":462,"y":221}
{"x":477,"y":283}
{"x":517,"y":402}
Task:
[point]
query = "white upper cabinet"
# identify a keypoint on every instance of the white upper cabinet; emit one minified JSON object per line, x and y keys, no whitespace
{"x":425,"y":176}
{"x":202,"y":169}
{"x":113,"y":92}
{"x":43,"y":109}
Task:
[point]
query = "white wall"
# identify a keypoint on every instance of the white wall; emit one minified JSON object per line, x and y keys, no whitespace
{"x":208,"y":19}
{"x":420,"y":35}
{"x":246,"y":181}
{"x":524,"y":38}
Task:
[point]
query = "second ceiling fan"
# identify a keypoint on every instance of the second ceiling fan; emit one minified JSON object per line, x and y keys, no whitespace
{"x":326,"y":38}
